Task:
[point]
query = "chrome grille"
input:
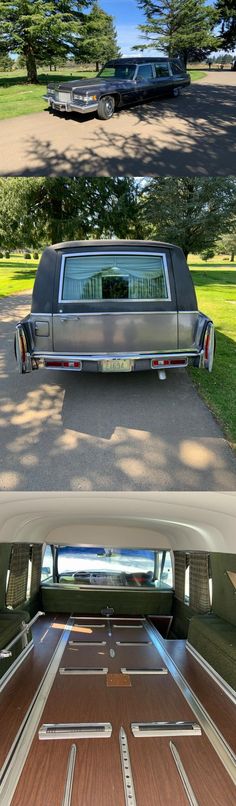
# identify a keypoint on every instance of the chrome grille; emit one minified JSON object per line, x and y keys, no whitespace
{"x":63,"y":97}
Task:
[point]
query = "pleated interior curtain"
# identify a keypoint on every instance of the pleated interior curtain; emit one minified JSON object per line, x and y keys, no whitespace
{"x":199,"y":595}
{"x":83,"y":276}
{"x":17,"y":583}
{"x":36,"y":557}
{"x":180,"y":568}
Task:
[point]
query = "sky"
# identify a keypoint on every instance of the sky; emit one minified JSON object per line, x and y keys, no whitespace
{"x":127,"y":16}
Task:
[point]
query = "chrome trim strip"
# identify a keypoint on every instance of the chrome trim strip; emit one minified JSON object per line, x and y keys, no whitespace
{"x":111,"y":313}
{"x":226,"y":688}
{"x":15,"y":665}
{"x":162,"y":670}
{"x":15,"y":761}
{"x":180,"y":728}
{"x":108,"y":252}
{"x":129,"y":791}
{"x":218,"y":742}
{"x":69,"y":777}
{"x":183,"y":775}
{"x":75,"y":730}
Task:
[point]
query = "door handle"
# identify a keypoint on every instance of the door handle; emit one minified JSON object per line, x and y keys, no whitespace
{"x":70,"y":319}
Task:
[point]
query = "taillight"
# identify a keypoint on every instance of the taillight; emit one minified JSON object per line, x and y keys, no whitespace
{"x":158,"y":363}
{"x":64,"y":364}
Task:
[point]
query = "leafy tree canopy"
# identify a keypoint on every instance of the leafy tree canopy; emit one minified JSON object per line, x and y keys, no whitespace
{"x":227,"y":15}
{"x":98,"y":39}
{"x":37,"y":211}
{"x":40,"y":29}
{"x":190,"y":212}
{"x":179,"y":26}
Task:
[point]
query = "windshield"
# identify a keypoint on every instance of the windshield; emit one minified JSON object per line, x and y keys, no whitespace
{"x":123,"y":71}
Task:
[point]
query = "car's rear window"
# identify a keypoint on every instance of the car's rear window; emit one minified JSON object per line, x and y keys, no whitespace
{"x":114,"y":276}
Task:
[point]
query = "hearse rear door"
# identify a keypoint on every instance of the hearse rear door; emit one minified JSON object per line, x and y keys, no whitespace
{"x":115,"y":326}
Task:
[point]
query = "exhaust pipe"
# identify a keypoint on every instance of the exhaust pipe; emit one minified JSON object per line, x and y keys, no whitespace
{"x":162,"y":374}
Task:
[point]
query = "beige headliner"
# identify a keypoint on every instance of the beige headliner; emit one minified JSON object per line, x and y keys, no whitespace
{"x":203,"y":521}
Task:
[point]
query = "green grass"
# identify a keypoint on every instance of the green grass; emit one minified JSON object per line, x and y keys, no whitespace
{"x":19,"y":98}
{"x":16,"y":274}
{"x":216,"y":294}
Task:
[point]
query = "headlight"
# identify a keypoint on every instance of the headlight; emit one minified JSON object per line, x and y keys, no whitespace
{"x":51,"y":92}
{"x":85,"y":98}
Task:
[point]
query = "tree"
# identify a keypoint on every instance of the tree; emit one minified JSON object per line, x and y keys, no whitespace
{"x":37,"y":211}
{"x":98,"y":40}
{"x":6,"y":63}
{"x":40,"y":29}
{"x":227,"y":242}
{"x":191,"y":212}
{"x":179,"y":27}
{"x":227,"y":15}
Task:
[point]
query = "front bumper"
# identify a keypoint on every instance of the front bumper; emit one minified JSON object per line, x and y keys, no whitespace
{"x":68,"y":106}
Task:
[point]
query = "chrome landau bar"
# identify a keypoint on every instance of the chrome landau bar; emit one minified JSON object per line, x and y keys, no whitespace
{"x":142,"y":729}
{"x":20,"y":634}
{"x":69,"y":777}
{"x":75,"y":730}
{"x":183,"y":775}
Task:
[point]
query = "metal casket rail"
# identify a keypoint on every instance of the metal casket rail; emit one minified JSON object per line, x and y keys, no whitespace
{"x":76,"y":730}
{"x":162,"y":670}
{"x":81,"y":670}
{"x":142,"y":729}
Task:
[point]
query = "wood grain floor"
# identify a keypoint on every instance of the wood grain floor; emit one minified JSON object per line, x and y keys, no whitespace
{"x":98,"y":778}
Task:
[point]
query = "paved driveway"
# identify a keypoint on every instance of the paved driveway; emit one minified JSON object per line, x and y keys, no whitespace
{"x":64,"y":431}
{"x":193,"y":134}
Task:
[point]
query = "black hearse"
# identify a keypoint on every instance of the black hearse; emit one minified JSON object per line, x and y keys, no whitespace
{"x":114,"y":306}
{"x":121,"y":82}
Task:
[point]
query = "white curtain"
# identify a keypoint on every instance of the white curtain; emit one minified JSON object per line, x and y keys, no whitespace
{"x":83,"y":276}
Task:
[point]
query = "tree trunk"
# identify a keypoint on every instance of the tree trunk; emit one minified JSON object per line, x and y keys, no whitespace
{"x":97,"y":66}
{"x":31,"y":67}
{"x":232,"y":256}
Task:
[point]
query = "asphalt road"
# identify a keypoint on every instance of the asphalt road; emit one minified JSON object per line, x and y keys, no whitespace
{"x":192,"y":134}
{"x":64,"y":431}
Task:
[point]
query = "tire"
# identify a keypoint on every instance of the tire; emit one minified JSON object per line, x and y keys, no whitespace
{"x":106,"y":107}
{"x":176,"y":92}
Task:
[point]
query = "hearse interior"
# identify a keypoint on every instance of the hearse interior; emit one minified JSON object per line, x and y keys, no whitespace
{"x":117,"y":649}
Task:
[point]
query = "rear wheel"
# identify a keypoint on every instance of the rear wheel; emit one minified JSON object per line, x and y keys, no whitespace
{"x":106,"y":107}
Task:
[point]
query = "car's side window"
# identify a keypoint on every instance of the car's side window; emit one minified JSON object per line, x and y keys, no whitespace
{"x":161,"y":70}
{"x":145,"y":72}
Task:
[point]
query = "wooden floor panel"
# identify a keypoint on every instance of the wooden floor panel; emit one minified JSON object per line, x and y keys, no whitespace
{"x":98,"y":778}
{"x":19,"y":692}
{"x":219,"y":707}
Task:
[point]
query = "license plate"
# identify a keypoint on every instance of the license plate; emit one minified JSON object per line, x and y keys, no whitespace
{"x":117,"y":365}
